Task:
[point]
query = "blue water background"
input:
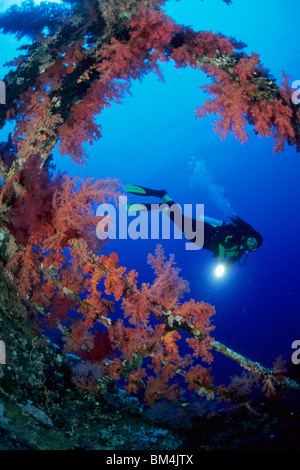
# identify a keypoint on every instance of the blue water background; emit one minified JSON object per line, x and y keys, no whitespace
{"x":149,"y":139}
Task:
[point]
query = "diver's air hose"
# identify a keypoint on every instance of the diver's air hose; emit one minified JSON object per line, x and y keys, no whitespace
{"x":243,"y":264}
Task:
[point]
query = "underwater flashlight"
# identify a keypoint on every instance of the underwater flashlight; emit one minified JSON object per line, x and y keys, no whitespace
{"x":220,"y":270}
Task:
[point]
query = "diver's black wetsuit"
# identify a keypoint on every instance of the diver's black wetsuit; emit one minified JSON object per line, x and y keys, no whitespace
{"x":226,"y":241}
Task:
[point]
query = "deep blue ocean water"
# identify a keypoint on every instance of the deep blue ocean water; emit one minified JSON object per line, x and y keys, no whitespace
{"x":149,"y":140}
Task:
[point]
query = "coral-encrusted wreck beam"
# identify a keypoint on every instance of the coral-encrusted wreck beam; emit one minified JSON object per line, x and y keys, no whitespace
{"x":176,"y":322}
{"x":125,"y":45}
{"x":40,"y":56}
{"x":255,"y":367}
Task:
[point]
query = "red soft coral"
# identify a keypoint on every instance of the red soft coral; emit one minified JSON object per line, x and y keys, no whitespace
{"x":236,"y":101}
{"x":151,"y":32}
{"x":231,"y":103}
{"x":194,"y":45}
{"x":23,"y":266}
{"x":168,"y":287}
{"x":158,"y":388}
{"x":197,"y":377}
{"x":135,"y":380}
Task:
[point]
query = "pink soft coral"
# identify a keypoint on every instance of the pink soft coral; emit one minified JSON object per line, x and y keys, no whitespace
{"x":236,"y":102}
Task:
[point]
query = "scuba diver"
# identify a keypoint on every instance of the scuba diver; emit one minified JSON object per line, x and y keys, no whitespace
{"x":228,"y":241}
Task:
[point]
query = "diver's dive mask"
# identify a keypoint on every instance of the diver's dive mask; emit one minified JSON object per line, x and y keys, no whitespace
{"x":252,"y":244}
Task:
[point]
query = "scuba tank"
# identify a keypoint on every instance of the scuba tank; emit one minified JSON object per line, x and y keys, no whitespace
{"x":211,"y":221}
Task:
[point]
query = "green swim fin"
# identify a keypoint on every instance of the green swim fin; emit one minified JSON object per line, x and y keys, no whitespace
{"x":142,"y":191}
{"x":133,"y":189}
